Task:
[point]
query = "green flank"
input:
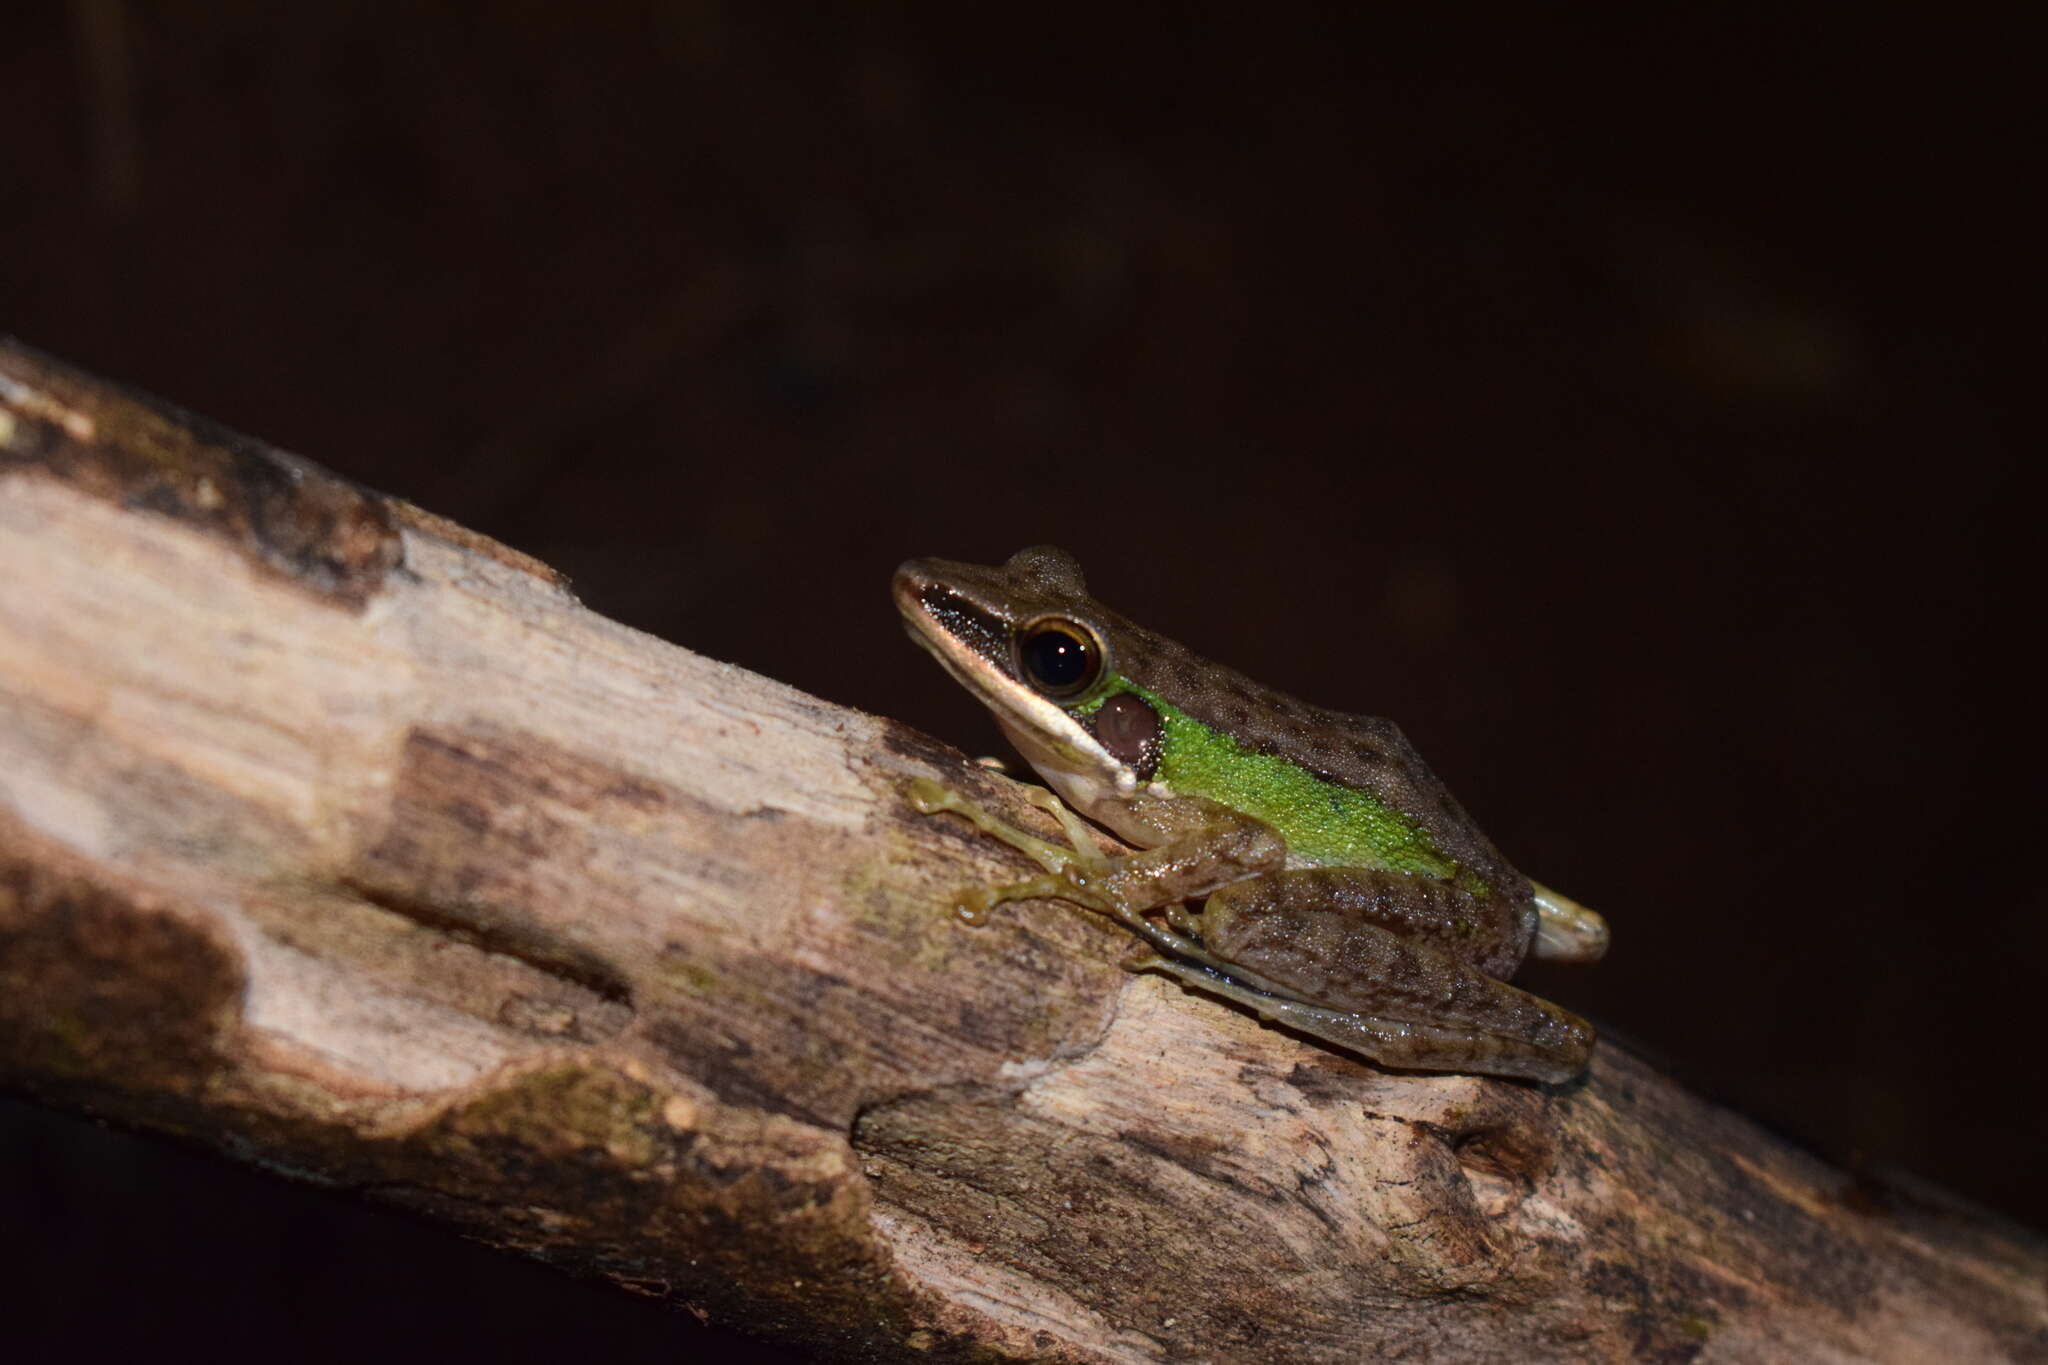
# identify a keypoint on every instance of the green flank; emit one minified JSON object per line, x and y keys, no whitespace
{"x":1322,"y":822}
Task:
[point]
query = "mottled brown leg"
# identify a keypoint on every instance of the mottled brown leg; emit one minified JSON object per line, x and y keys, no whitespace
{"x":1402,"y":999}
{"x":1388,"y":960}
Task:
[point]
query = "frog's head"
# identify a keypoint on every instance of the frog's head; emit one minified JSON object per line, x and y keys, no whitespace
{"x":1027,"y":639}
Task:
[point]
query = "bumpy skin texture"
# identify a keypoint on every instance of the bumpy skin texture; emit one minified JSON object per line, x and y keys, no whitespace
{"x":1322,"y":934}
{"x":1289,"y":917}
{"x":1365,"y":753}
{"x":1331,"y":928}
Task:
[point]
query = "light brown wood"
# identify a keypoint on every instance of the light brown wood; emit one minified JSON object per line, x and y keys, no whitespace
{"x":348,"y":842}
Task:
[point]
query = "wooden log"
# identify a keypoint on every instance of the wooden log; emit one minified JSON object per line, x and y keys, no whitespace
{"x":345,"y":841}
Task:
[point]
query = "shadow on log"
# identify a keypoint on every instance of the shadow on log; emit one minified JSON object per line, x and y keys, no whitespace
{"x":345,"y":841}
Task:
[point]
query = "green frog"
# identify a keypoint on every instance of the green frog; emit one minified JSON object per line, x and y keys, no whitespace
{"x":1344,"y":893}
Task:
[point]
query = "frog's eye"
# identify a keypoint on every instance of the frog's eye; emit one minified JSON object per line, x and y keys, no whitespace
{"x":1059,"y":658}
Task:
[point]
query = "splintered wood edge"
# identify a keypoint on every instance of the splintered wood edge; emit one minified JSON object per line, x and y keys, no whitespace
{"x":340,"y":838}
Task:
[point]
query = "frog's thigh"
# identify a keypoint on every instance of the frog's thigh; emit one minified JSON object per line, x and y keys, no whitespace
{"x":1409,"y":1003}
{"x":1491,"y":936}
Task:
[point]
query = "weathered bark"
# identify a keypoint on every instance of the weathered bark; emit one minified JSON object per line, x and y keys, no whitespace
{"x":347,"y":842}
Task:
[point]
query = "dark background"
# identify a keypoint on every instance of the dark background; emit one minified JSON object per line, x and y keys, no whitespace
{"x":1622,"y":406}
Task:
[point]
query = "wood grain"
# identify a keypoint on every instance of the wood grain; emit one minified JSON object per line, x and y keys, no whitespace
{"x":345,"y":841}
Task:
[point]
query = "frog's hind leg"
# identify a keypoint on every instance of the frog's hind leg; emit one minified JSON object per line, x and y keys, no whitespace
{"x":1390,"y":1042}
{"x":1355,"y":971}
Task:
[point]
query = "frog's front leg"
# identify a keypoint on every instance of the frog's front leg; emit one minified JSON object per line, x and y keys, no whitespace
{"x":1205,"y":846}
{"x":929,"y":798}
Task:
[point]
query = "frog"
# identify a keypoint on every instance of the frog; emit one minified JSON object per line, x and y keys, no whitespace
{"x":1344,"y":894}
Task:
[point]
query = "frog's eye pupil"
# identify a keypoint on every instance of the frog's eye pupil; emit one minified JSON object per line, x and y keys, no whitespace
{"x":1058,"y":658}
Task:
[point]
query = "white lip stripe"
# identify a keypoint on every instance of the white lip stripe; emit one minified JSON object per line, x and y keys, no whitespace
{"x":1058,"y":746}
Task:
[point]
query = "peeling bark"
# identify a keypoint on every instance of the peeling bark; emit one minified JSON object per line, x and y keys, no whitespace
{"x":345,"y":841}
